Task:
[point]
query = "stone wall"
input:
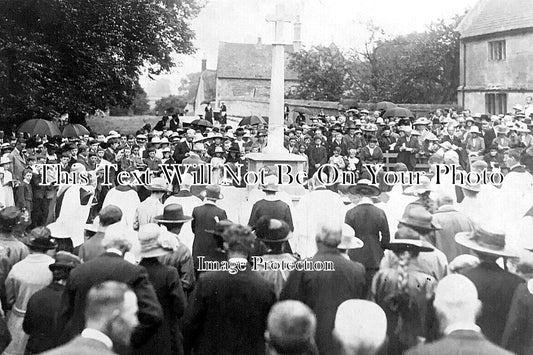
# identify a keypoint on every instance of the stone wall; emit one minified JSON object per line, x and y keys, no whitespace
{"x":228,"y":88}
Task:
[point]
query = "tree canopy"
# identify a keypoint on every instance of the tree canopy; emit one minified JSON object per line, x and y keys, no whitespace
{"x":175,"y":103}
{"x":414,"y":68}
{"x":78,"y":56}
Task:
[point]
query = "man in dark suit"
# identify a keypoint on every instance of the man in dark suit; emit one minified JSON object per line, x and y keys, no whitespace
{"x":93,"y":247}
{"x":495,"y":286}
{"x":205,"y":218}
{"x":488,"y":136}
{"x":323,"y":291}
{"x":370,"y":225}
{"x":111,"y":317}
{"x":457,"y":305}
{"x":228,"y":310}
{"x":183,"y":149}
{"x":110,"y":266}
{"x":317,"y":154}
{"x":407,"y":146}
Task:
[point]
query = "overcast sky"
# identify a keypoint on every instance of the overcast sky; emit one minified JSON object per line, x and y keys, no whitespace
{"x":323,"y":22}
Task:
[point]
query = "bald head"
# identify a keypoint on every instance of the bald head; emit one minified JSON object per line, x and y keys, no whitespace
{"x":456,"y":300}
{"x":291,"y":328}
{"x":360,"y":327}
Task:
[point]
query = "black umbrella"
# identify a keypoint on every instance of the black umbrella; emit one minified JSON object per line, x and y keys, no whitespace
{"x":251,"y":120}
{"x":398,"y":112}
{"x":201,"y":122}
{"x":39,"y":126}
{"x":74,"y":130}
{"x":385,"y":105}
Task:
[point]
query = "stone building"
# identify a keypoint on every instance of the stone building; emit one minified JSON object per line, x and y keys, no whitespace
{"x":496,"y":56}
{"x":243,"y":75}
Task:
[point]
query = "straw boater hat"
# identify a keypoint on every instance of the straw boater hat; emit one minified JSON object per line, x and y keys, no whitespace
{"x":364,"y":187}
{"x":422,"y":121}
{"x":4,"y":160}
{"x":348,"y":239}
{"x":159,"y":185}
{"x":418,"y":217}
{"x":487,"y":240}
{"x":156,"y":241}
{"x":172,"y":214}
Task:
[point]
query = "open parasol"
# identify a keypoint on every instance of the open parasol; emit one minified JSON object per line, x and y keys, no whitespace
{"x":38,"y":126}
{"x":74,"y":130}
{"x":398,"y":112}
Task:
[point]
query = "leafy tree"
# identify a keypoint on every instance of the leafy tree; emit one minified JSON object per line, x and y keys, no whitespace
{"x":139,"y":106}
{"x":321,"y":73}
{"x":78,"y":56}
{"x":175,"y":102}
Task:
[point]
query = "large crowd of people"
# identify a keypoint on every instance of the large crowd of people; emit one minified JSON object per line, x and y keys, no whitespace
{"x":141,"y":265}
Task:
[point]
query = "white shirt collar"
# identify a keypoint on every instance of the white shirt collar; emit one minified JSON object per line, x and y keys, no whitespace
{"x":210,"y":202}
{"x":97,"y":335}
{"x":114,"y":250}
{"x":461,"y":326}
{"x":365,"y":200}
{"x":515,"y":166}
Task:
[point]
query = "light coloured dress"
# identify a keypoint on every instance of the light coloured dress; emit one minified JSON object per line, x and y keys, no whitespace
{"x":25,"y":278}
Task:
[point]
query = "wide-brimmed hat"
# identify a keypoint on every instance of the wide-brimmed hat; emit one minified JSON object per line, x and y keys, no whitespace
{"x":471,"y":187}
{"x":364,"y":187}
{"x":271,"y":184}
{"x":158,"y":184}
{"x":64,"y":260}
{"x":39,"y":238}
{"x":474,"y":129}
{"x":4,"y":160}
{"x":156,"y":241}
{"x":213,"y":192}
{"x":58,"y":229}
{"x":422,"y":121}
{"x":486,"y":240}
{"x":423,"y":186}
{"x":220,"y":227}
{"x":172,"y":214}
{"x":409,"y":245}
{"x":272,"y":230}
{"x":348,"y":239}
{"x":418,"y":217}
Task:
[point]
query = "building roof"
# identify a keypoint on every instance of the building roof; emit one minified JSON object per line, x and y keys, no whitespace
{"x":493,"y":16}
{"x":249,"y":61}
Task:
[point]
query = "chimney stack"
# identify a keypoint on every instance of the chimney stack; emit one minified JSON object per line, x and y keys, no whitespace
{"x":204,"y":64}
{"x":297,"y":39}
{"x":259,"y":43}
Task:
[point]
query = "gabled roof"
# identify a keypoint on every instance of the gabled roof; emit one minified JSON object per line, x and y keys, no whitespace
{"x":493,"y":16}
{"x":249,"y":61}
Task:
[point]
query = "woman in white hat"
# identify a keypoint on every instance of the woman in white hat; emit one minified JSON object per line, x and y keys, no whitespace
{"x":155,"y":242}
{"x":6,"y":183}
